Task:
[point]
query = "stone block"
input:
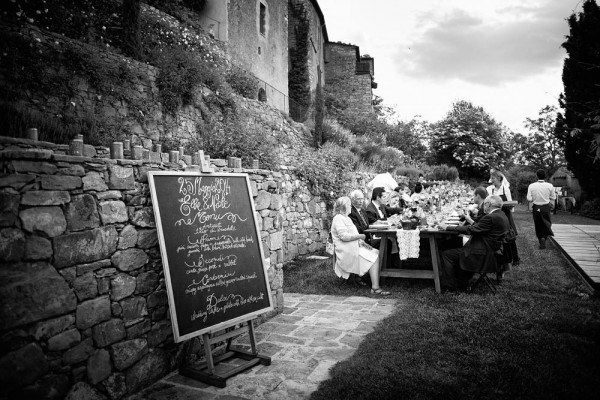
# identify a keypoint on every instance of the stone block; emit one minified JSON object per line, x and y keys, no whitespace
{"x":85,"y":247}
{"x":38,"y":167}
{"x":83,"y":391}
{"x":262,"y":200}
{"x":83,"y":269}
{"x":109,"y":195}
{"x":159,"y":333}
{"x":149,"y":369}
{"x":92,"y":312}
{"x":127,"y":353}
{"x":9,"y":208}
{"x":109,"y":332}
{"x":146,"y":282}
{"x":89,"y":151}
{"x":82,"y":213}
{"x":129,"y":259}
{"x":46,"y":329}
{"x":139,"y":329}
{"x":32,"y":292}
{"x":121,"y":177}
{"x":158,"y":298}
{"x":49,"y":220}
{"x":112,"y":212}
{"x":15,"y":181}
{"x":276,"y":240}
{"x":94,"y":181}
{"x":128,"y":237}
{"x":22,"y":367}
{"x":78,"y":353}
{"x":147,"y":238}
{"x":98,"y":366}
{"x":276,"y":202}
{"x":64,"y":340}
{"x":134,"y":308}
{"x":61,"y":182}
{"x":122,"y":286}
{"x":73,"y":169}
{"x":115,"y":386}
{"x":45,"y":198}
{"x":12,"y":245}
{"x":267,"y":223}
{"x":37,"y":248}
{"x":85,"y":286}
{"x":144,"y":218}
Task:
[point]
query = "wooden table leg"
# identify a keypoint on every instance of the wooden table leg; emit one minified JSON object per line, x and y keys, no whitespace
{"x":382,"y":256}
{"x":435,"y":261}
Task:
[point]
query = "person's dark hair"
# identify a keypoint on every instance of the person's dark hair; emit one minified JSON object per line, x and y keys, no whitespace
{"x":418,"y":187}
{"x":541,"y":174}
{"x":481,"y":192}
{"x":377,"y":192}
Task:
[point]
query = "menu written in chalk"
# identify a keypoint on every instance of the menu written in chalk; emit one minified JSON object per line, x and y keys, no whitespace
{"x":211,"y":250}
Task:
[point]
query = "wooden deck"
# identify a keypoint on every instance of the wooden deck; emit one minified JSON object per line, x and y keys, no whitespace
{"x":581,"y":245}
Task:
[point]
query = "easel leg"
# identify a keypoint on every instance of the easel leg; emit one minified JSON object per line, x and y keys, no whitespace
{"x":208,"y":353}
{"x":252,"y":338}
{"x":435,"y":261}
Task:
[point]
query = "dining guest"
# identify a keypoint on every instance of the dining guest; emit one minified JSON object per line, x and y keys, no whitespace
{"x":377,"y":210}
{"x":460,"y":264}
{"x":501,"y":187}
{"x":541,"y":193}
{"x":479,"y":195}
{"x":417,"y":195}
{"x":352,"y":255}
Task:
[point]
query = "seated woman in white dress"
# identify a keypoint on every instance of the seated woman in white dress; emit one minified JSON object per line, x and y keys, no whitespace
{"x":352,"y":254}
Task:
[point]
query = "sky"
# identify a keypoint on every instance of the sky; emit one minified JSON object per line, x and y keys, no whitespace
{"x":502,"y":55}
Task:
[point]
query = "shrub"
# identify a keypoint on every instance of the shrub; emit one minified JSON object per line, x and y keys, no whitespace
{"x":326,"y":170}
{"x":591,"y":209}
{"x":520,"y":178}
{"x":411,"y":172}
{"x":334,"y":133}
{"x":441,"y":173}
{"x":243,"y":83}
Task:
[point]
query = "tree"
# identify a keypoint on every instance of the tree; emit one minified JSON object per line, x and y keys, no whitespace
{"x":131,"y":28}
{"x":406,"y":136}
{"x":469,"y":139}
{"x":542,"y":149}
{"x":579,"y":126}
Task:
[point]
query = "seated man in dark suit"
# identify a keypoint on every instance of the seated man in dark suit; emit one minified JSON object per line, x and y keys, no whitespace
{"x":479,"y":196}
{"x":377,"y":210}
{"x":359,"y":216}
{"x":487,"y":235}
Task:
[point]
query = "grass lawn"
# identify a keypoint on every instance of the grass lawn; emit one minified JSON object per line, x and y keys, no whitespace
{"x":538,"y":338}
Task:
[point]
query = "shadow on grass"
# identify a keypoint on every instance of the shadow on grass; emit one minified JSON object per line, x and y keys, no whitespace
{"x":539,"y":338}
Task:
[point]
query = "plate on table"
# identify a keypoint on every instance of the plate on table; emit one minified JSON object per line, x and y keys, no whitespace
{"x":379,"y":226}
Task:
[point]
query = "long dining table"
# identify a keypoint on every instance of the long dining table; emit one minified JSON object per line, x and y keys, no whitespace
{"x":433,"y":235}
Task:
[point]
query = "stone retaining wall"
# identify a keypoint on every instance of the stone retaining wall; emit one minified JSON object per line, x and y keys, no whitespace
{"x":82,"y":291}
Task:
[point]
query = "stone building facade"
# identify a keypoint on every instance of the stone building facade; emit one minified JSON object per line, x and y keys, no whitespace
{"x":256,"y":33}
{"x":82,"y":290}
{"x":317,"y":37}
{"x":350,"y":76}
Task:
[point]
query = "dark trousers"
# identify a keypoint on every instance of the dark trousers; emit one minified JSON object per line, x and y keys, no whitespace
{"x":453,"y":277}
{"x":541,"y":220}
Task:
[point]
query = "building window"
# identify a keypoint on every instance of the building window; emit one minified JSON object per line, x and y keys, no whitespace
{"x":263,"y":19}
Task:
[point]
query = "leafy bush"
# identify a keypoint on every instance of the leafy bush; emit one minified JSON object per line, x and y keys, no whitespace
{"x":333,"y":132}
{"x":411,"y":172}
{"x":440,"y":173}
{"x":243,"y":83}
{"x":591,"y":209}
{"x":520,"y":178}
{"x":326,"y":170}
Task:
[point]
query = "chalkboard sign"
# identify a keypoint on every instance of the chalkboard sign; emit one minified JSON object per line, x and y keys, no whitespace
{"x":211,"y":250}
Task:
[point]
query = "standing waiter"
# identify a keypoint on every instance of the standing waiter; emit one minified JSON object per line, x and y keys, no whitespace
{"x":541,"y":193}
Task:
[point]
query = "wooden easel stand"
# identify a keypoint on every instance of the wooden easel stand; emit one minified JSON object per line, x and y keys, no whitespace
{"x":206,"y":372}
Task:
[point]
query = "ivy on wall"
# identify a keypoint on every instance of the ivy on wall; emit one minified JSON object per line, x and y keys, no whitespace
{"x":298,"y":75}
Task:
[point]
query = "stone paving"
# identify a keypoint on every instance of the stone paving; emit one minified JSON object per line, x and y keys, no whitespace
{"x":313,"y":334}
